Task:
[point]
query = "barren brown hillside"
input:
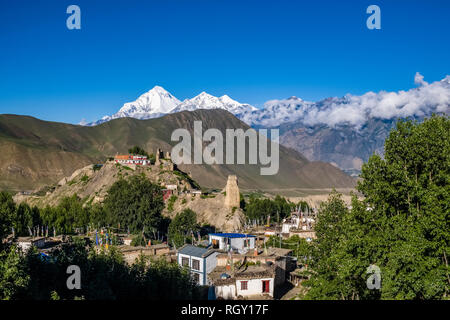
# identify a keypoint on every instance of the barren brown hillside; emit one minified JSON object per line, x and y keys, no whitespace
{"x":35,"y":153}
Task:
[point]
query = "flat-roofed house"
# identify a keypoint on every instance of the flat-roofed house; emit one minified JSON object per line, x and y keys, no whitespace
{"x":199,"y":261}
{"x":253,"y":282}
{"x":27,"y":242}
{"x":235,"y":241}
{"x":132,"y":159}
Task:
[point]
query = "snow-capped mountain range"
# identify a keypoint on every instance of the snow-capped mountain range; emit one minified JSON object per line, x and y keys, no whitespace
{"x":344,"y":131}
{"x":348,"y":110}
{"x":207,"y":101}
{"x":158,"y":102}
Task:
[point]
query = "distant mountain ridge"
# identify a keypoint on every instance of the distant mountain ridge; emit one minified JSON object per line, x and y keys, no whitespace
{"x":34,"y":153}
{"x":344,"y":131}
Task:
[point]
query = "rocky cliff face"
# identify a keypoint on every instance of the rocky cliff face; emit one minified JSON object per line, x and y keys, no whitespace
{"x":344,"y":146}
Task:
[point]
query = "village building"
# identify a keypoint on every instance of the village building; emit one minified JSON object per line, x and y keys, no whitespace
{"x":309,"y":235}
{"x":257,"y":274}
{"x":297,"y":276}
{"x":26,"y":243}
{"x":280,"y":257}
{"x":169,"y":190}
{"x":132,"y":159}
{"x":127,"y":241}
{"x":292,"y":222}
{"x":199,"y":261}
{"x":166,"y":194}
{"x":299,"y":223}
{"x":172,"y":187}
{"x":271,"y":231}
{"x":252,"y":282}
{"x":232,"y":241}
{"x":131,"y":253}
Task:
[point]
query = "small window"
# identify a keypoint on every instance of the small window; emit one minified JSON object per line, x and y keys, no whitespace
{"x":195,"y":264}
{"x":185,"y":262}
{"x":196,"y":277}
{"x":244,"y":285}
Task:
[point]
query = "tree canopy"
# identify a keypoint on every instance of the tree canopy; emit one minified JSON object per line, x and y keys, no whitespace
{"x":104,"y":275}
{"x":136,"y":150}
{"x":261,"y":209}
{"x":136,"y":203}
{"x":401,"y":225}
{"x":183,"y":225}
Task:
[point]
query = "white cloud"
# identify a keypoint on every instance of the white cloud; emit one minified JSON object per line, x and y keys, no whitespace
{"x":356,"y":110}
{"x":418,"y":79}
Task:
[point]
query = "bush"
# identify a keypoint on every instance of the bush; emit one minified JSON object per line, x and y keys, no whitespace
{"x":171,"y":202}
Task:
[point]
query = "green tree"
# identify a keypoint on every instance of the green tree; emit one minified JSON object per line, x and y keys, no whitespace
{"x":402,"y":224}
{"x":261,"y":209}
{"x":325,"y":282}
{"x":13,"y":276}
{"x":136,"y":203}
{"x":408,"y":194}
{"x":136,"y":150}
{"x":7,"y":209}
{"x":182,"y":226}
{"x":23,"y":219}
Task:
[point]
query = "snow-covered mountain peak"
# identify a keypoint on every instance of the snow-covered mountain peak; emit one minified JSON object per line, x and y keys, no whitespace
{"x":206,"y":101}
{"x":155,"y":101}
{"x":152,"y":104}
{"x":158,"y":102}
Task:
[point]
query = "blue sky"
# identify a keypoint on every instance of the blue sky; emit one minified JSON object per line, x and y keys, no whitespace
{"x":253,"y":51}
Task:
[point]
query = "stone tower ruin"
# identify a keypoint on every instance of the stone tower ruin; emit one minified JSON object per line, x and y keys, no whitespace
{"x":232,"y":198}
{"x":157,"y":155}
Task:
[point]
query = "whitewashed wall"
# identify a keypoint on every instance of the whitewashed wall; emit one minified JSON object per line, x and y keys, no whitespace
{"x":226,"y":292}
{"x":211,"y":262}
{"x":202,"y":279}
{"x":236,"y":243}
{"x":254,"y":287}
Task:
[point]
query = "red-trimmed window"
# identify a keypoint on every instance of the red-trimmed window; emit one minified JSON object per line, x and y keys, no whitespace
{"x":244,"y":285}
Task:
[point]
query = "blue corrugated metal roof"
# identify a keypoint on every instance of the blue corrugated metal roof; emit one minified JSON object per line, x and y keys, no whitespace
{"x":232,"y":235}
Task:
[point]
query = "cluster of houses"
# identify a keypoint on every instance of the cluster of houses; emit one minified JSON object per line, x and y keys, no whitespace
{"x":231,"y":264}
{"x":236,"y":268}
{"x":300,"y":223}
